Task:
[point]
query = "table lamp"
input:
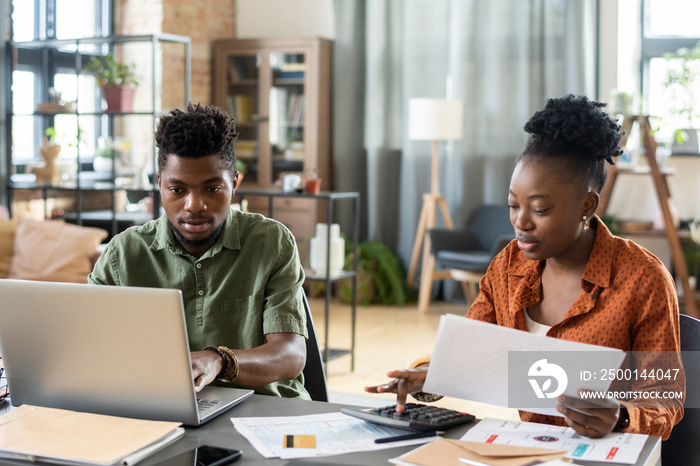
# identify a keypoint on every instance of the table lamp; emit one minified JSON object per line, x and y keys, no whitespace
{"x":431,"y":120}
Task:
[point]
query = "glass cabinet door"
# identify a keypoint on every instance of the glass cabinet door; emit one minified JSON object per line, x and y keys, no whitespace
{"x":242,"y":104}
{"x":287,"y":113}
{"x":285,"y":85}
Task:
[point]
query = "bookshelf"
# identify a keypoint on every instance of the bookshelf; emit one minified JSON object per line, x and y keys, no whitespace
{"x":278,"y":91}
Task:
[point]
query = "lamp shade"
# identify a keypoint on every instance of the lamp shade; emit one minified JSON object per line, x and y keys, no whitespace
{"x":434,"y":119}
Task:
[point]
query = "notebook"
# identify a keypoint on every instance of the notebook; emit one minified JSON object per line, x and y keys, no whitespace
{"x":113,"y":350}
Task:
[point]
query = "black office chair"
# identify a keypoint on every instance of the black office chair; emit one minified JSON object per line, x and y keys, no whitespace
{"x":314,"y":373}
{"x":465,"y":254}
{"x":683,"y":446}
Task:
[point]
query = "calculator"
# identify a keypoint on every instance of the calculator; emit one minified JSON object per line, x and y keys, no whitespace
{"x":416,"y":416}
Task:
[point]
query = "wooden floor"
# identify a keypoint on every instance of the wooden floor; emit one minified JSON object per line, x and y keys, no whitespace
{"x":386,"y":338}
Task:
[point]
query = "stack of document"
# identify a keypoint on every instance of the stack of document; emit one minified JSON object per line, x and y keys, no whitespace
{"x":60,"y":436}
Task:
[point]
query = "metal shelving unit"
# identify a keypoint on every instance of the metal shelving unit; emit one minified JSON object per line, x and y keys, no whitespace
{"x":331,"y":198}
{"x":85,"y":179}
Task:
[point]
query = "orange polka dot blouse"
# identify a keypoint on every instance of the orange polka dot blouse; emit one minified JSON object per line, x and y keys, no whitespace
{"x":628,"y":301}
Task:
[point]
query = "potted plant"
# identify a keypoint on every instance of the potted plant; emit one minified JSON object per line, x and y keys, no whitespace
{"x":682,"y":84}
{"x":381,"y":277}
{"x":117,"y":81}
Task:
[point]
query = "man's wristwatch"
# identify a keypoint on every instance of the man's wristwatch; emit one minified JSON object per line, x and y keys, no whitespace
{"x":623,"y":421}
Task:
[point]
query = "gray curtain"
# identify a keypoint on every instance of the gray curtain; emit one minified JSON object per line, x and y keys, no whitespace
{"x":504,"y":58}
{"x":4,"y":74}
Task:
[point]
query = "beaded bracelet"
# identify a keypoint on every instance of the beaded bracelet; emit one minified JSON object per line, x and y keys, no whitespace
{"x":224,"y":366}
{"x":234,"y":362}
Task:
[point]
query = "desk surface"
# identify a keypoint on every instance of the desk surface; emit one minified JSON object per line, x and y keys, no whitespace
{"x":220,"y":432}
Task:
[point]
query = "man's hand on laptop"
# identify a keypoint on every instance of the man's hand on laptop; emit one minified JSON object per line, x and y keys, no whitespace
{"x":206,"y":365}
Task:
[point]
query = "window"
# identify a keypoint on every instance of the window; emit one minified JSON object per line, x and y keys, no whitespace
{"x":667,"y":26}
{"x":38,"y":69}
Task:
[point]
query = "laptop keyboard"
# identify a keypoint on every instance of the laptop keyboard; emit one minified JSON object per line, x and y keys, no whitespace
{"x":203,"y":405}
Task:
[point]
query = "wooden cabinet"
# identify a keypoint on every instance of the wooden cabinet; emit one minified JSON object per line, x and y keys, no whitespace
{"x":278,"y":91}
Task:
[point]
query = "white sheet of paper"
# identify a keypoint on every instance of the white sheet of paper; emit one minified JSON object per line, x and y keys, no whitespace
{"x":336,"y":433}
{"x":613,"y":448}
{"x":470,"y":361}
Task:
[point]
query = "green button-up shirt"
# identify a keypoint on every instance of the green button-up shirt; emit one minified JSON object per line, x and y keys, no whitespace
{"x":248,"y":284}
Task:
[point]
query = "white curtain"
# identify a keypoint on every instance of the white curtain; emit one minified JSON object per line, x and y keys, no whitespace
{"x":504,"y":58}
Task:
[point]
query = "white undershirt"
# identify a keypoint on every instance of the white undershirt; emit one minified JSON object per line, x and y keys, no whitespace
{"x":535,"y":327}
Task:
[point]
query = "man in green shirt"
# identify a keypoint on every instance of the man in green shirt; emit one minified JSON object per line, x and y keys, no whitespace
{"x":239,"y":273}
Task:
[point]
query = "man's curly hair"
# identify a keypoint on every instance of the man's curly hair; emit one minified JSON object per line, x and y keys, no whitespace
{"x":577,"y":132}
{"x":197,"y":132}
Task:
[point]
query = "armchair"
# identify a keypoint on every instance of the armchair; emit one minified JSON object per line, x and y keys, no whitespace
{"x":465,"y":254}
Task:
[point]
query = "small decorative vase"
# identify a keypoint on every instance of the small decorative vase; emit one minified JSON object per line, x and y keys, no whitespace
{"x":318,"y":257}
{"x":102,"y":164}
{"x":313,"y":186}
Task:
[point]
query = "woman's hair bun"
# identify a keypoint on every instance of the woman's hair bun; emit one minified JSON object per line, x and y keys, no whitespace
{"x":578,"y":121}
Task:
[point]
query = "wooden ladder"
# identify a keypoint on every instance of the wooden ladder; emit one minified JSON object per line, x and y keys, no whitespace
{"x":664,"y":196}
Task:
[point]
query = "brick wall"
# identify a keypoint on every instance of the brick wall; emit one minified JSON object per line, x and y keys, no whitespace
{"x":203,"y":22}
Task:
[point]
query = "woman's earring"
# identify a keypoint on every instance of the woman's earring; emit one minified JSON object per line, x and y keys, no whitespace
{"x":586,"y":224}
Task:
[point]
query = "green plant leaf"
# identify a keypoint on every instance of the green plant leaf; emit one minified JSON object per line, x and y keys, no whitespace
{"x":381,"y":275}
{"x":109,"y":72}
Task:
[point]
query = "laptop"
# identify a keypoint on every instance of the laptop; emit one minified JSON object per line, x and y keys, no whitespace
{"x":112,"y":350}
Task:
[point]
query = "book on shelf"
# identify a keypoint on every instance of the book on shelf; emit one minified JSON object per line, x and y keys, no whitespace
{"x":242,"y":68}
{"x":300,"y":116}
{"x":291,"y":75}
{"x":246,"y":148}
{"x":295,"y":109}
{"x":70,"y":437}
{"x":291,"y":103}
{"x":293,"y":67}
{"x":241,"y":107}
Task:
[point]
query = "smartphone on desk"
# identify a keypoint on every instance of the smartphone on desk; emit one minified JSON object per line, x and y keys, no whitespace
{"x":204,"y":455}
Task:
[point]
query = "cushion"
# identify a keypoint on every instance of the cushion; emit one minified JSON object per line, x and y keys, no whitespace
{"x":7,"y":241}
{"x":477,"y":261}
{"x":54,"y":251}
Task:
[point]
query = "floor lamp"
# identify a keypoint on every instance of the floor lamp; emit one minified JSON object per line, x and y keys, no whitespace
{"x":431,"y":120}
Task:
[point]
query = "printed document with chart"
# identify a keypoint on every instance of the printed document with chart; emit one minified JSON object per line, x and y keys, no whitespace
{"x":613,"y":448}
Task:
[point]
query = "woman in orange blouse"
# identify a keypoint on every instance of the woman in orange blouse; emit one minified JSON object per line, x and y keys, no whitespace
{"x":566,"y":276}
